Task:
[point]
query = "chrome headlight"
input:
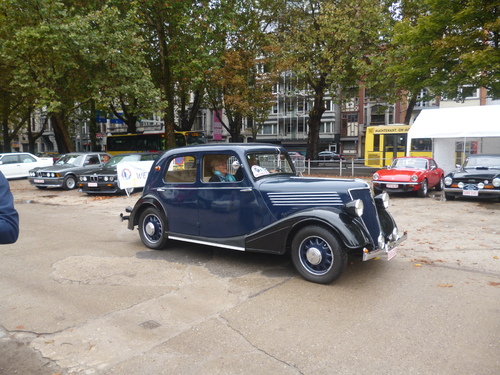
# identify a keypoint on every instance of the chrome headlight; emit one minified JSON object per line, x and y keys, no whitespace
{"x":448,"y":180}
{"x":376,"y":176}
{"x":496,"y":182}
{"x":382,"y":200}
{"x":480,"y":185}
{"x":414,"y":178}
{"x":355,"y":207}
{"x":461,"y":185}
{"x":105,"y":178}
{"x":111,"y":178}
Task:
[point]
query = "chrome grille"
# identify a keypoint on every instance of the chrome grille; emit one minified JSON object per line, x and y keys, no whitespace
{"x":305,"y":199}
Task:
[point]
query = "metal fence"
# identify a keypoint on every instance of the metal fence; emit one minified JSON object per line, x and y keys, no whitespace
{"x":340,"y":168}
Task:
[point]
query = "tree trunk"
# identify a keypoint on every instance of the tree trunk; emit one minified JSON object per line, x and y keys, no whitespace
{"x":409,"y":109}
{"x":315,"y":121}
{"x":63,"y":140}
{"x":93,"y":128}
{"x":4,"y":107}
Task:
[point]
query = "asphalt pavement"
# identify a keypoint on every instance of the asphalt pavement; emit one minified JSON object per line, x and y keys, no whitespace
{"x":80,"y":294}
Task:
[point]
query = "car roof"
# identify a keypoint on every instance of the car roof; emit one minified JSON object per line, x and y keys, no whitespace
{"x":227,"y":147}
{"x":15,"y":153}
{"x":414,"y":157}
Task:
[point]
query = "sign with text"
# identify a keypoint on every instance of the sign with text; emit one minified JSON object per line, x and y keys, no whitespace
{"x":133,"y":174}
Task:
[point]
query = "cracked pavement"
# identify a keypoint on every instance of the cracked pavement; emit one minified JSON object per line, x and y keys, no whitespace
{"x":80,"y":294}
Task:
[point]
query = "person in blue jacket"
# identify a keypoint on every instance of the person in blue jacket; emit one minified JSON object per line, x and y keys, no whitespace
{"x":9,"y":218}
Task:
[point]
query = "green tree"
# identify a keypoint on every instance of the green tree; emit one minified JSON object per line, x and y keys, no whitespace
{"x":178,"y":36}
{"x":241,"y":81}
{"x":450,"y":47}
{"x":331,"y":44}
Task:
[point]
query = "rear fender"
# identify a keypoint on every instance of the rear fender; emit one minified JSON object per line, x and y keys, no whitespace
{"x":142,"y":204}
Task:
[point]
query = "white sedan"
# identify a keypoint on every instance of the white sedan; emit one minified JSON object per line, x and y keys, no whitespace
{"x":18,"y":164}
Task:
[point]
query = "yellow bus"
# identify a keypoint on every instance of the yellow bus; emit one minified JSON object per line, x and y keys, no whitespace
{"x":383,"y":143}
{"x":150,"y":142}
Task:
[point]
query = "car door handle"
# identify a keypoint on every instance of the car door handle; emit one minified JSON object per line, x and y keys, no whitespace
{"x":246,"y":190}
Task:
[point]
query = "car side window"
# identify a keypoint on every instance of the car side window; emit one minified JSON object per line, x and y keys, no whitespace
{"x":221,"y":168}
{"x":10,"y":159}
{"x":92,"y":159}
{"x":181,"y":170}
{"x":28,"y":159}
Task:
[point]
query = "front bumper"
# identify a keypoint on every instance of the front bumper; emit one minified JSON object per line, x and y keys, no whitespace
{"x":47,"y":182}
{"x":403,"y":187}
{"x":457,"y":192}
{"x":384,"y":251}
{"x":101,"y":188}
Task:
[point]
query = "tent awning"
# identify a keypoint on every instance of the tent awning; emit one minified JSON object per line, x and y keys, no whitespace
{"x":462,"y":122}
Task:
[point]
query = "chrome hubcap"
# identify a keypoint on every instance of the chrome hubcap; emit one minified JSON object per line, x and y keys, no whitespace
{"x":150,"y":229}
{"x":313,"y":256}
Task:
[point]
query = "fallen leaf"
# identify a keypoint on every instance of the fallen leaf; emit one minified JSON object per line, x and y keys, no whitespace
{"x":495,"y":257}
{"x":492,"y":283}
{"x":20,"y":327}
{"x":445,"y":285}
{"x":417,"y":265}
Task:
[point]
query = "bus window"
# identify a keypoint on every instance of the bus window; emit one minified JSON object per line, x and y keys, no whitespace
{"x":376,"y":142}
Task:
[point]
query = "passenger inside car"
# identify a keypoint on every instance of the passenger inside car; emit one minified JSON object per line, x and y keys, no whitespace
{"x":220,"y":172}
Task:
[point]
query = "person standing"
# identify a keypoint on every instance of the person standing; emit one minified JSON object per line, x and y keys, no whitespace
{"x":9,"y":218}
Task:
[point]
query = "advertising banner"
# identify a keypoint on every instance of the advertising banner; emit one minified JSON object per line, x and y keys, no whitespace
{"x":133,"y":174}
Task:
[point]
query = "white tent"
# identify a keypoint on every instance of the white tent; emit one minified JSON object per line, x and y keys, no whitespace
{"x":452,"y":128}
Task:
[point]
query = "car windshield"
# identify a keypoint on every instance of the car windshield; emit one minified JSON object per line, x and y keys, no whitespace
{"x":489,"y":162}
{"x":70,"y":159}
{"x":266,"y":164}
{"x":410,"y":163}
{"x":119,"y":158}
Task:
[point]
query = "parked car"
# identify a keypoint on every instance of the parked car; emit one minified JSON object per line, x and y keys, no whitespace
{"x":330,"y":155}
{"x":105,"y":179}
{"x":294,"y":154}
{"x":51,"y":154}
{"x":264,"y":207}
{"x":478,"y":177}
{"x":18,"y":164}
{"x":409,"y":174}
{"x":65,"y":170}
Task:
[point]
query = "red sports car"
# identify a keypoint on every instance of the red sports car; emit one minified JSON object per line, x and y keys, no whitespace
{"x":409,"y":174}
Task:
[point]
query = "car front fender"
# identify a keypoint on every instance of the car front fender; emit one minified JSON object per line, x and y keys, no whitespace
{"x":276,"y":238}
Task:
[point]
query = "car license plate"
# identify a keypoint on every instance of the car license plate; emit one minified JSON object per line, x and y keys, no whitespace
{"x":92,"y":184}
{"x":392,"y":186}
{"x":471,"y":193}
{"x":39,"y":181}
{"x":392,"y":253}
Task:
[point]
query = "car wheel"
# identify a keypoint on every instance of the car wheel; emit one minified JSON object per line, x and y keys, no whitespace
{"x":449,"y":197}
{"x":422,"y":192}
{"x":317,"y":255}
{"x":440,"y":186}
{"x":152,"y":226}
{"x":69,"y":183}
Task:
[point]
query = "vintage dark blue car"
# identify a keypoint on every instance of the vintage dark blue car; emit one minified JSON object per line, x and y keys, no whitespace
{"x":248,"y":197}
{"x":478,"y":177}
